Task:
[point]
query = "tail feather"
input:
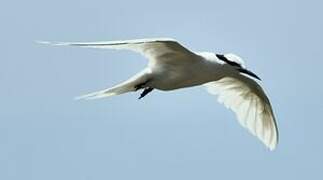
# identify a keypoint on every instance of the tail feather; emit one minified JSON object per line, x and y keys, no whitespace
{"x":124,"y":87}
{"x":95,"y":95}
{"x":119,"y":89}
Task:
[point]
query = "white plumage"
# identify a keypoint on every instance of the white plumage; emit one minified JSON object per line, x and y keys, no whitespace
{"x":172,"y":66}
{"x":250,"y":104}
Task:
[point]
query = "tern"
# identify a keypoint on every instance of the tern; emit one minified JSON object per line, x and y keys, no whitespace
{"x":172,"y":66}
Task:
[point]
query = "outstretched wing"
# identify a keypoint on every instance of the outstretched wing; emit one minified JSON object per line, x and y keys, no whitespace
{"x":250,"y":104}
{"x":158,"y":49}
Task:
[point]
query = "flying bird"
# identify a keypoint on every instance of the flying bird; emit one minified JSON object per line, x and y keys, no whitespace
{"x":172,"y":66}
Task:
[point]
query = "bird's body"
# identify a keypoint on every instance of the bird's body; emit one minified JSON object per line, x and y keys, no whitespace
{"x":175,"y":76}
{"x":171,"y":66}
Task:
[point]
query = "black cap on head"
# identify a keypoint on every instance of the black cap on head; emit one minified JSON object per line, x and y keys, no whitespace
{"x":236,"y":64}
{"x":226,"y":60}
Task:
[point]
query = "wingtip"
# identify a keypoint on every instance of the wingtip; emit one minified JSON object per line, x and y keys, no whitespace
{"x":42,"y":42}
{"x":84,"y":97}
{"x":78,"y":98}
{"x":271,"y":146}
{"x":51,"y":43}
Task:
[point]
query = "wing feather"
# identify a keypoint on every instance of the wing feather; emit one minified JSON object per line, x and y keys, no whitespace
{"x":154,"y":49}
{"x":250,"y":104}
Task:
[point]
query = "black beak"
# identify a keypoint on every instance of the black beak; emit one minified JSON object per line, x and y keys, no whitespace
{"x":245,"y":71}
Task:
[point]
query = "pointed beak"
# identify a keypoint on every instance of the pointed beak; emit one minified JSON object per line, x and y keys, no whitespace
{"x":245,"y":71}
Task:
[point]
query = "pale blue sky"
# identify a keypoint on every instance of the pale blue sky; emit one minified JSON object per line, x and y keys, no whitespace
{"x":185,"y":134}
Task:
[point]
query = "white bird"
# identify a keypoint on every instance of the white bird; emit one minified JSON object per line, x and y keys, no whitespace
{"x":172,"y":66}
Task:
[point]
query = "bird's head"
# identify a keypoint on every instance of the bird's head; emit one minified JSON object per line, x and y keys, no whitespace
{"x":237,"y":63}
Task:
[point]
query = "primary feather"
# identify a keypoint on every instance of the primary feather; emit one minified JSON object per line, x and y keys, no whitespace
{"x":251,"y":106}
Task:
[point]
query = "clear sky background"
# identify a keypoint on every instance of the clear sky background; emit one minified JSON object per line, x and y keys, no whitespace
{"x":184,"y":134}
